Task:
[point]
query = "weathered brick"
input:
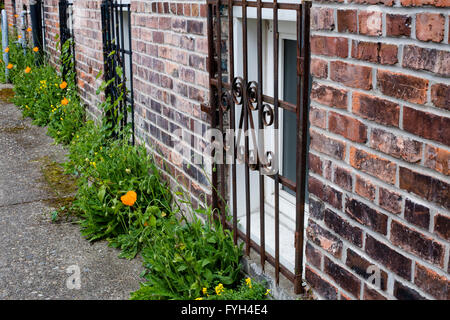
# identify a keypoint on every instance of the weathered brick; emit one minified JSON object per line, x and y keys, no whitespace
{"x":320,"y":285}
{"x":398,"y":25}
{"x":319,"y":68}
{"x":329,"y":96}
{"x":442,"y":226}
{"x":343,"y":178}
{"x":347,"y":21}
{"x":329,"y":46}
{"x":403,"y":292}
{"x":371,"y":294}
{"x":370,"y":23}
{"x":431,"y":282}
{"x":402,"y":86}
{"x":417,"y":214}
{"x":390,"y":258}
{"x":326,"y":145}
{"x":437,"y":159}
{"x":367,"y":216}
{"x":397,"y":146}
{"x":417,"y":243}
{"x":385,"y":2}
{"x":376,"y":109}
{"x":324,"y":239}
{"x":318,"y":117}
{"x":427,"y":125}
{"x":348,"y":127}
{"x":315,"y":164}
{"x":375,"y":52}
{"x":430,"y":26}
{"x":419,"y":3}
{"x":351,"y":75}
{"x":322,"y":19}
{"x":440,"y":95}
{"x":325,"y":192}
{"x":427,"y":187}
{"x":362,"y":267}
{"x":365,"y":188}
{"x":313,"y":256}
{"x":343,"y":228}
{"x":345,"y":279}
{"x":428,"y":59}
{"x":381,"y":168}
{"x":316,"y":209}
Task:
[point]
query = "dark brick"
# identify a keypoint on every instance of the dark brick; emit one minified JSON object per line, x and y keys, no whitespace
{"x":316,"y":209}
{"x":398,"y":25}
{"x":390,"y":258}
{"x":442,"y":226}
{"x":322,"y":19}
{"x":371,"y":294}
{"x":417,"y":214}
{"x":367,"y":216}
{"x":329,"y":46}
{"x":347,"y":21}
{"x":325,"y":192}
{"x":378,"y":167}
{"x":348,"y":127}
{"x":343,"y":228}
{"x":402,"y":292}
{"x":376,"y":109}
{"x":323,"y":287}
{"x":329,"y":96}
{"x":427,"y":187}
{"x":343,"y":178}
{"x":351,"y":75}
{"x":315,"y":164}
{"x":428,"y":59}
{"x":440,"y":95}
{"x":345,"y":279}
{"x":313,"y":256}
{"x":327,"y":145}
{"x":360,"y":266}
{"x":401,"y":86}
{"x":417,"y":243}
{"x":365,"y":188}
{"x":324,"y":239}
{"x":431,"y":282}
{"x":395,"y":145}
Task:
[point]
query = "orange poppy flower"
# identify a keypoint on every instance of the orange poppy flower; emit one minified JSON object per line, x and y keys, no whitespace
{"x":10,"y":24}
{"x":27,"y":70}
{"x":16,"y":16}
{"x":29,"y":29}
{"x":64,"y":102}
{"x":35,"y":49}
{"x":7,"y":49}
{"x":10,"y":66}
{"x":63,"y":85}
{"x":19,"y":36}
{"x":129,"y":198}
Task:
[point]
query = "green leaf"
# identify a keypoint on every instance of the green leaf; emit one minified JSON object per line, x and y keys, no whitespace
{"x":101,"y":193}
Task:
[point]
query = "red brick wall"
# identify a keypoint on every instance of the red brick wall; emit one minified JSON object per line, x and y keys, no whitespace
{"x":380,"y":149}
{"x":170,"y":82}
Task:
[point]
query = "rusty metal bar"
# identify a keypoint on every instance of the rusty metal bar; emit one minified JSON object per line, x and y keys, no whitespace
{"x":232,"y":118}
{"x":282,"y":104}
{"x":276,"y":125}
{"x":254,"y":4}
{"x":246,"y":116}
{"x":261,"y":153}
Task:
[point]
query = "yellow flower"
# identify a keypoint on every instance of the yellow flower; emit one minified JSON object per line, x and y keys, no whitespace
{"x":204,"y":291}
{"x":35,"y":49}
{"x":267,"y":292}
{"x":19,"y":36}
{"x":61,"y":119}
{"x":64,"y":102}
{"x":129,"y":198}
{"x":219,"y":289}
{"x":27,"y":70}
{"x":10,"y":66}
{"x":29,"y":29}
{"x":63,"y":85}
{"x":7,"y":49}
{"x":199,"y":298}
{"x":248,"y":282}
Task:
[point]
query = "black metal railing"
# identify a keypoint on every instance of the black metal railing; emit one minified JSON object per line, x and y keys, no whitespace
{"x":259,"y":111}
{"x":117,"y":52}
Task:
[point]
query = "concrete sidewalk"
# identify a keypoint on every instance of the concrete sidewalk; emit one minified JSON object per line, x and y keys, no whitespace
{"x":34,"y":252}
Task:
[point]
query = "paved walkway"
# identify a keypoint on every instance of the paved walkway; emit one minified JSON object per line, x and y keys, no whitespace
{"x":34,"y":252}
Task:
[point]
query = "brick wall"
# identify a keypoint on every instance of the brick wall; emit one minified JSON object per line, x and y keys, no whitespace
{"x":380,"y":149}
{"x":170,"y":82}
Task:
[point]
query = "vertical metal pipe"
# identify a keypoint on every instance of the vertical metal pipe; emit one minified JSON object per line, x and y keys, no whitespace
{"x":276,"y":126}
{"x":130,"y":48}
{"x":23,"y":27}
{"x":5,"y":42}
{"x":260,"y":147}
{"x":302,"y":121}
